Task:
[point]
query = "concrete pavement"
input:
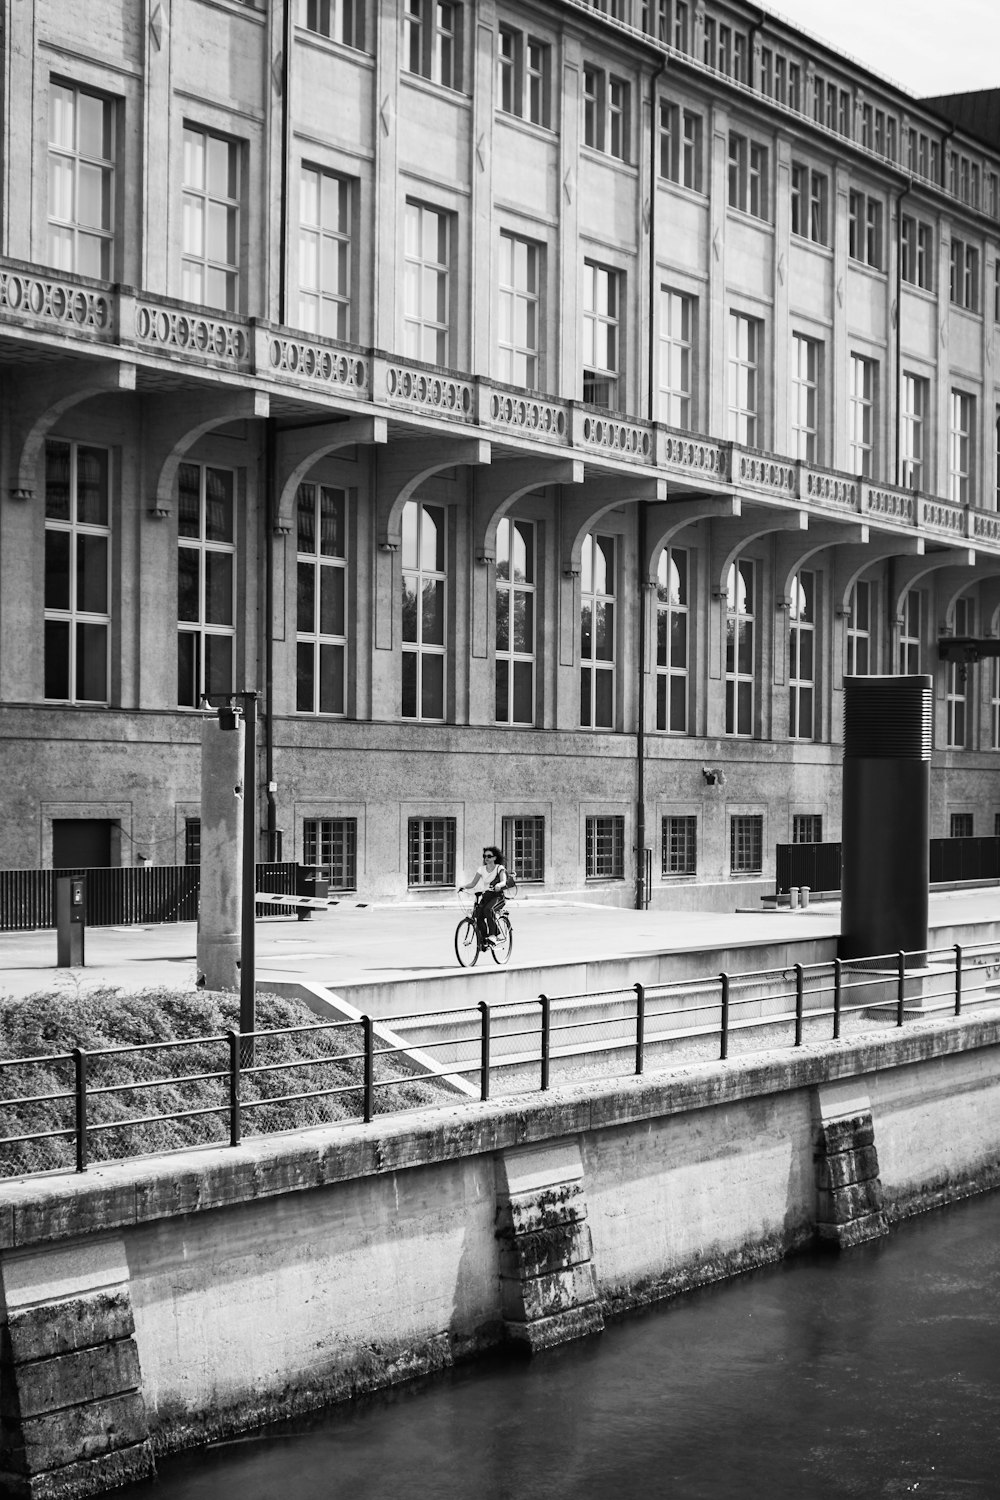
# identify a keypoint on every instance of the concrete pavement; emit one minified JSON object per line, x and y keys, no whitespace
{"x":351,"y":944}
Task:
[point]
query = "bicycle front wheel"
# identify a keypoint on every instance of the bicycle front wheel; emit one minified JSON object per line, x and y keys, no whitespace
{"x":501,"y":949}
{"x":466,"y":943}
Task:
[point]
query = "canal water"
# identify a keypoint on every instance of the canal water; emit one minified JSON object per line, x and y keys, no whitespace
{"x":871,"y":1374}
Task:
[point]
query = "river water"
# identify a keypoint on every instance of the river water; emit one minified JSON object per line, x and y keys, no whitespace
{"x":874,"y":1373}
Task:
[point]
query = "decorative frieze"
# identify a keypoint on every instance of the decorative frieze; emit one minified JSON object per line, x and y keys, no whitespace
{"x":889,"y":504}
{"x":530,"y":416}
{"x":198,"y":335}
{"x":434,"y":392}
{"x":65,"y":304}
{"x":341,"y":371}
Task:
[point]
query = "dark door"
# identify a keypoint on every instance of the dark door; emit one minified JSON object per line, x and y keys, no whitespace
{"x":81,"y":844}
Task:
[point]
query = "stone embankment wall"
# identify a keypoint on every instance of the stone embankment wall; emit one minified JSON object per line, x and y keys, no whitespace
{"x":152,"y":1305}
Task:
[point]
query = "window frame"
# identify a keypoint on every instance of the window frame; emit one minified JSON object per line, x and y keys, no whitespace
{"x":204,"y":264}
{"x":741,"y":647}
{"x":326,"y":301}
{"x":202,"y":629}
{"x":805,"y":389}
{"x":512,"y":589}
{"x":744,"y":364}
{"x":602,"y":330}
{"x":678,"y":845}
{"x":862,"y":424}
{"x":520,"y":361}
{"x":78,"y":166}
{"x":431,"y":844}
{"x":424,"y":652}
{"x":73,"y":620}
{"x":671,"y":613}
{"x":604,"y":843}
{"x":331,"y":844}
{"x":598,"y":670}
{"x":676,"y":363}
{"x":324,"y":567}
{"x":802,"y":656}
{"x":522,"y":840}
{"x":746,"y":844}
{"x":420,"y":320}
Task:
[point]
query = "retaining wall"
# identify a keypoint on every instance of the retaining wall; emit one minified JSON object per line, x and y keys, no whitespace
{"x":244,"y":1284}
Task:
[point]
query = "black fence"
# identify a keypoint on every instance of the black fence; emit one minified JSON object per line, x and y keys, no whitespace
{"x":121,"y":898}
{"x":951,"y":860}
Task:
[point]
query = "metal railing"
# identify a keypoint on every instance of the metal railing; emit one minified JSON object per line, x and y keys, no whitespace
{"x":351,"y":1068}
{"x":121,"y":897}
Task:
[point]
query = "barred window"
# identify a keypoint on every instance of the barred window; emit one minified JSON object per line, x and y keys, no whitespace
{"x":430,"y":852}
{"x":961,"y":825}
{"x":192,"y":841}
{"x":332,"y":844}
{"x":606,"y":848}
{"x":680,"y":845}
{"x":524,"y":848}
{"x":746,"y":844}
{"x":807,"y":828}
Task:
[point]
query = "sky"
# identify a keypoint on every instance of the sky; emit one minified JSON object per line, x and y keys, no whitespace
{"x":905,"y":40}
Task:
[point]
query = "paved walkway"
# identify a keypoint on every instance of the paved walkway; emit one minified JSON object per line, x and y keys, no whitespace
{"x":353,"y":944}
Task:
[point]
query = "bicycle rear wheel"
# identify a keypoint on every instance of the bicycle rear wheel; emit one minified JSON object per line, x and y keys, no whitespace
{"x":466,"y":943}
{"x":501,"y":949}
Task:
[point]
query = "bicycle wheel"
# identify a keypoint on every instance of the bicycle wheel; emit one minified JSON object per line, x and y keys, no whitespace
{"x":466,"y":943}
{"x":501,"y":949}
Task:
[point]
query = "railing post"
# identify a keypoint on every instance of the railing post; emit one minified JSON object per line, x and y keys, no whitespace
{"x":799,"y":1004}
{"x":484,"y":1055}
{"x":369,"y":1033}
{"x":80,"y":1091}
{"x":546,"y":1005}
{"x":958,"y":979}
{"x":235,"y":1122}
{"x":900,"y":990}
{"x":724,"y":1051}
{"x":640,"y":1027}
{"x":837,"y":983}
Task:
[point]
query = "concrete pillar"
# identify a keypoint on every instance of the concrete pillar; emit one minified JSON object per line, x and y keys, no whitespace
{"x":220,"y":907}
{"x":850,"y":1204}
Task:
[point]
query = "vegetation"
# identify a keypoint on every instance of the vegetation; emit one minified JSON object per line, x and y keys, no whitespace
{"x":174,"y":1093}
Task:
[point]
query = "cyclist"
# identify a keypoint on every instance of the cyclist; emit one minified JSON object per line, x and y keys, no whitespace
{"x":489,"y":880}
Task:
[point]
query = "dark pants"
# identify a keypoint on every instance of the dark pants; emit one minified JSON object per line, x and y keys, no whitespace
{"x":488,"y":903}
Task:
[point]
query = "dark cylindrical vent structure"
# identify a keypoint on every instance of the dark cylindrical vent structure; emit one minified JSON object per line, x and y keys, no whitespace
{"x":886,"y":817}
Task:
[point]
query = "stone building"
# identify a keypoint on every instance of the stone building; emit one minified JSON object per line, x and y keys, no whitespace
{"x":542,"y":406}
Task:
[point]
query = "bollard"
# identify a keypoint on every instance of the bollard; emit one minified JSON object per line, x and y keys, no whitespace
{"x":793,"y":896}
{"x":804,"y":895}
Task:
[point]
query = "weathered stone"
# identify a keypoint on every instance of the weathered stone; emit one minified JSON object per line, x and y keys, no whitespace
{"x":851,"y":1202}
{"x":72,"y":1323}
{"x":548,"y":1250}
{"x":857,"y":1232}
{"x":540,"y":1296}
{"x":90,"y":1476}
{"x":525,"y":1213}
{"x":846,"y":1135}
{"x":846,"y":1167}
{"x":84,"y":1432}
{"x":561,"y":1328}
{"x":48,"y":1385}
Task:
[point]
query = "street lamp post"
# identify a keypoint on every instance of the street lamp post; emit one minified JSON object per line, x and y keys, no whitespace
{"x":232,"y":708}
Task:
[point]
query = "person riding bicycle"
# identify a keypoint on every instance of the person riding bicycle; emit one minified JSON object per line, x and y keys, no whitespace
{"x":489,"y":882}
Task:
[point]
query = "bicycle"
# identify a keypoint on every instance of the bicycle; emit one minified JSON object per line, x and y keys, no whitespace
{"x":471,"y":938}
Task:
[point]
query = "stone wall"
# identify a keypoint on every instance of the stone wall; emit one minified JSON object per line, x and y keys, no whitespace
{"x":291,"y":1272}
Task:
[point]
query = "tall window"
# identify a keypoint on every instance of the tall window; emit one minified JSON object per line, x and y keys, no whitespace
{"x":524,"y":69}
{"x":340,"y":20}
{"x":605,"y":839}
{"x":807,"y":828}
{"x":748,"y":175}
{"x":427,"y":284}
{"x":957,"y":680}
{"x":424,"y":606}
{"x":910,"y":631}
{"x":679,"y":844}
{"x":860,"y":623}
{"x":864,"y":242}
{"x":77,"y":573}
{"x":960,"y":825}
{"x":321,"y":624}
{"x":805,"y":398}
{"x":810,"y":195}
{"x":677,"y":321}
{"x":802,"y":657}
{"x":520,"y":290}
{"x":672,"y":628}
{"x":210,"y":260}
{"x":515,"y":639}
{"x":324,"y":254}
{"x":430,"y":856}
{"x":332,"y":844}
{"x":961,"y":417}
{"x":995,"y":711}
{"x":746,"y":844}
{"x":597,"y":632}
{"x":192,"y":841}
{"x":914,"y":404}
{"x":523,"y":842}
{"x":606,"y":112}
{"x":81,"y":206}
{"x":964,"y":277}
{"x":601,"y":334}
{"x":740,"y":648}
{"x":744,"y":360}
{"x":432,"y":41}
{"x":916,"y":252}
{"x":861,"y":416}
{"x":681,"y":145}
{"x":206,"y":582}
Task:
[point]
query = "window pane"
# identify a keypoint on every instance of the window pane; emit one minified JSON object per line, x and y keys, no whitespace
{"x":57,"y":659}
{"x":187,"y":669}
{"x":57,"y":547}
{"x":524,"y":709}
{"x":331,"y":608}
{"x":432,"y":613}
{"x":305,"y":620}
{"x":92,"y":574}
{"x":331,"y":679}
{"x":218,"y":663}
{"x":304,"y":655}
{"x":92,"y":663}
{"x":409,"y":685}
{"x":218,"y":588}
{"x":432,"y":687}
{"x":92,"y":486}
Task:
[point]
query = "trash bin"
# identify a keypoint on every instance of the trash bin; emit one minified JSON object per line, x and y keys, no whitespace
{"x":793,"y":896}
{"x":804,"y":895}
{"x":310,"y":880}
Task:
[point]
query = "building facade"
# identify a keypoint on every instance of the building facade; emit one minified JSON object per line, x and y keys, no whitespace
{"x":541,"y":406}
